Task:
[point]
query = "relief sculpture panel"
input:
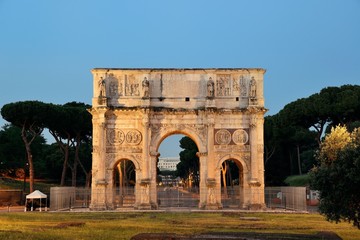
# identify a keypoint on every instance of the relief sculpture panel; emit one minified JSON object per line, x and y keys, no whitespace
{"x":222,"y":137}
{"x":238,"y":85}
{"x":123,"y":136}
{"x":223,"y":85}
{"x":231,"y":136}
{"x":132,"y":87}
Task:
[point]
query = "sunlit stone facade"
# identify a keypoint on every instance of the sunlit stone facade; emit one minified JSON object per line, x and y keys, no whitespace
{"x":221,"y":110}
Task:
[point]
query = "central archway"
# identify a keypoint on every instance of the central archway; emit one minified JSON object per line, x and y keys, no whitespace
{"x":183,"y":190}
{"x":192,"y":195}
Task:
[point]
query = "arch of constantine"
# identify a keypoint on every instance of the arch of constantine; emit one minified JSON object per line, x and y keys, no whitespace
{"x":221,"y":110}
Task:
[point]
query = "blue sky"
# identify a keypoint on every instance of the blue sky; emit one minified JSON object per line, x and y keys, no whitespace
{"x":48,"y":47}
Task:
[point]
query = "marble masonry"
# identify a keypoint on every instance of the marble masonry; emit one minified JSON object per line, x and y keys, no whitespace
{"x":220,"y":109}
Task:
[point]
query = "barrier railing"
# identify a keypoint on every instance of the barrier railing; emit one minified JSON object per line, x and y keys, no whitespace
{"x":292,"y":198}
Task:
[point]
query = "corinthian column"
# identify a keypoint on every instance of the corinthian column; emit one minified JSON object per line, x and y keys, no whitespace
{"x":254,"y":149}
{"x":102,"y":146}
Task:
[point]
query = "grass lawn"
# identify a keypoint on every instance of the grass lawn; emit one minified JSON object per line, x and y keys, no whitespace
{"x":119,"y":225}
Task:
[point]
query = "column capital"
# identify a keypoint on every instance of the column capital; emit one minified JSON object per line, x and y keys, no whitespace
{"x":154,"y":154}
{"x":202,"y":154}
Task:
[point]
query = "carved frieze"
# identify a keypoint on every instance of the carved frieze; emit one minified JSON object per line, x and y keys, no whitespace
{"x":232,"y":148}
{"x":228,"y":85}
{"x":244,"y":156}
{"x":243,"y":86}
{"x":122,"y":85}
{"x":127,"y":149}
{"x":131,"y":85}
{"x":113,"y":83}
{"x":223,"y":85}
{"x":200,"y":129}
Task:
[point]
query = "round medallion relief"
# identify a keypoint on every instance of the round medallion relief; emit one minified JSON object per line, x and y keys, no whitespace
{"x":120,"y":137}
{"x":115,"y":136}
{"x":223,"y":137}
{"x":240,"y":137}
{"x":133,"y":137}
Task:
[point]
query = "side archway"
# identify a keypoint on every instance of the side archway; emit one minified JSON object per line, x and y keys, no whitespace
{"x":123,"y":183}
{"x":232,"y":178}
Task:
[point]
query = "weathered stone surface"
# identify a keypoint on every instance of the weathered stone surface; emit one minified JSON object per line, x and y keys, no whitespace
{"x":221,"y":110}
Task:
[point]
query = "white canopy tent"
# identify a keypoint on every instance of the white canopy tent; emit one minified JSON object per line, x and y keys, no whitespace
{"x":36,"y":195}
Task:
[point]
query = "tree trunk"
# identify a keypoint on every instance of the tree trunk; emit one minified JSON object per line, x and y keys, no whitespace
{"x":76,"y":161}
{"x":87,"y":174}
{"x":29,"y":157}
{"x":124,"y":175}
{"x":298,"y":158}
{"x":230,"y":180}
{"x":120,"y":178}
{"x":291,"y":163}
{"x":223,"y":171}
{"x":269,"y":153}
{"x":31,"y":168}
{"x":88,"y":179}
{"x":65,"y":150}
{"x":66,"y":158}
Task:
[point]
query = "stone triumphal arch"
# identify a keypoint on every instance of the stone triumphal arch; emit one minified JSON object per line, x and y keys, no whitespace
{"x":221,"y":110}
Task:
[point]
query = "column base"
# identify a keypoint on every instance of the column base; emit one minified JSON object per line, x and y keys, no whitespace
{"x":256,"y":207}
{"x":97,"y":207}
{"x":144,"y":206}
{"x":213,"y":206}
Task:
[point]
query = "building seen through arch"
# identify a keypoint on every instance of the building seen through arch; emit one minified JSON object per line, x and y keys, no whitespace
{"x":168,"y":163}
{"x":221,"y":110}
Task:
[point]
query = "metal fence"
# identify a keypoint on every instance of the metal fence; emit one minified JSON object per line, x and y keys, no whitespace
{"x":64,"y":198}
{"x":178,"y":197}
{"x":292,"y":198}
{"x":124,"y":197}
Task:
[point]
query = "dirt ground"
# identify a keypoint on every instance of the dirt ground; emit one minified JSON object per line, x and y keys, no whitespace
{"x":236,"y":236}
